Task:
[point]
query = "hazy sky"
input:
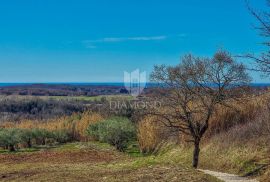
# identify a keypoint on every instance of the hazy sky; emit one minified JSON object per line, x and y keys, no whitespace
{"x":97,"y":40}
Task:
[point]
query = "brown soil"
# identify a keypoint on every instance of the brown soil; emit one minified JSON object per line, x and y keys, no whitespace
{"x":89,"y":164}
{"x":82,"y":156}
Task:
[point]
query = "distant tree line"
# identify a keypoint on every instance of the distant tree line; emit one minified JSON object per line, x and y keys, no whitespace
{"x":62,"y":90}
{"x":17,"y":109}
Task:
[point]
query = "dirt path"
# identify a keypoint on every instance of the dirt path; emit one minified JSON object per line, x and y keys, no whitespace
{"x":228,"y":177}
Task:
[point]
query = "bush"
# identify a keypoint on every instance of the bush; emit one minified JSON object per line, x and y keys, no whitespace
{"x":27,"y":136}
{"x":116,"y":131}
{"x":41,"y":135}
{"x":9,"y":138}
{"x":60,"y":136}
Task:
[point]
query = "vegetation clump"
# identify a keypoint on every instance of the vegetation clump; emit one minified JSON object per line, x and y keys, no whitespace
{"x":15,"y":138}
{"x":10,"y":138}
{"x":117,"y":131}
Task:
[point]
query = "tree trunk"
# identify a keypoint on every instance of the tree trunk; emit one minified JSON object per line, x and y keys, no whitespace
{"x":29,"y":143}
{"x":43,"y":141}
{"x":196,"y":153}
{"x":12,"y":148}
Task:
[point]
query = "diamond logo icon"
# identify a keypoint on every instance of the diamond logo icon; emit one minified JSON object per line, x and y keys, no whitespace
{"x":135,"y":82}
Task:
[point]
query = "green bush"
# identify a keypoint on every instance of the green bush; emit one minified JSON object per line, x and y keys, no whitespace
{"x":60,"y":136}
{"x":27,"y":136}
{"x":41,"y":135}
{"x":10,"y":138}
{"x":116,"y":131}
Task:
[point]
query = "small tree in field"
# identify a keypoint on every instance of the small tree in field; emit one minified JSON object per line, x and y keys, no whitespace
{"x":41,"y":135}
{"x":9,"y":138}
{"x":192,"y":90}
{"x":27,"y":137}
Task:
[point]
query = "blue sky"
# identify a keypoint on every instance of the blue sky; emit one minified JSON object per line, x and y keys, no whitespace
{"x":97,"y":40}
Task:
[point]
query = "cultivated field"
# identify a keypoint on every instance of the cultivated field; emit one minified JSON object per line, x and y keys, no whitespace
{"x":91,"y":162}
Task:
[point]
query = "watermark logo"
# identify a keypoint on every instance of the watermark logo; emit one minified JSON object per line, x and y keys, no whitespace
{"x":135,"y":82}
{"x":119,"y":105}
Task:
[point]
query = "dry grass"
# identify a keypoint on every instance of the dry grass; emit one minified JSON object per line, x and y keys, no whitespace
{"x":242,"y":160}
{"x":235,"y":160}
{"x":245,"y":119}
{"x":239,"y":112}
{"x":75,"y":125}
{"x":153,"y":134}
{"x":236,"y":142}
{"x":150,"y":134}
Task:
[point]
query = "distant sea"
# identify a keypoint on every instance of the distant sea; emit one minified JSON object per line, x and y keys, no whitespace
{"x":66,"y":83}
{"x":120,"y":84}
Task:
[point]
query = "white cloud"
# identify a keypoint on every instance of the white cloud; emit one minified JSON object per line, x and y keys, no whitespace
{"x":91,"y":43}
{"x":162,"y":37}
{"x":123,"y":39}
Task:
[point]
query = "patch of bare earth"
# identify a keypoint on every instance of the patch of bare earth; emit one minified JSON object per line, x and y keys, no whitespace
{"x":89,"y":165}
{"x":91,"y":173}
{"x":80,"y":156}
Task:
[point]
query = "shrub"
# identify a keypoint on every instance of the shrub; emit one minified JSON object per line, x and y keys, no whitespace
{"x":12,"y":137}
{"x":41,"y":135}
{"x":116,"y":131}
{"x":9,"y":138}
{"x":27,"y":136}
{"x":60,"y":136}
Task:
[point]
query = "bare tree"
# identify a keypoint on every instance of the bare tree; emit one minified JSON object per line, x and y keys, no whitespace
{"x":191,"y":91}
{"x":263,"y":18}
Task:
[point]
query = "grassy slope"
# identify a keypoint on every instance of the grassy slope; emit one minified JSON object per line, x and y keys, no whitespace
{"x":236,"y":159}
{"x":92,"y":162}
